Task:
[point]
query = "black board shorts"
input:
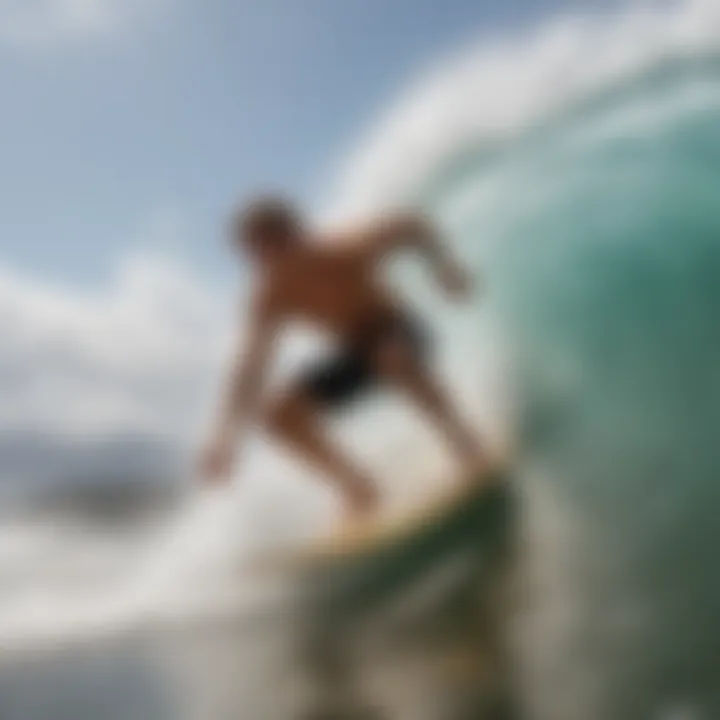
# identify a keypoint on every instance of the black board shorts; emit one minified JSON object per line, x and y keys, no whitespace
{"x":350,"y":372}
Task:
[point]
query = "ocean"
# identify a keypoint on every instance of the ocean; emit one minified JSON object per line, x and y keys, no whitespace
{"x":577,"y":168}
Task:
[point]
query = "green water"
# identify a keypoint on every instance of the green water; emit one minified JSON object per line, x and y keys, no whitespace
{"x":599,"y":234}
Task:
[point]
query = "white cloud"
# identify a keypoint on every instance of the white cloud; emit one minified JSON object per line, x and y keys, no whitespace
{"x":41,"y":23}
{"x":131,"y":357}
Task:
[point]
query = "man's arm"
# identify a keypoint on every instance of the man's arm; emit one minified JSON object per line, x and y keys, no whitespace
{"x":416,"y":232}
{"x":242,"y":393}
{"x":246,"y":376}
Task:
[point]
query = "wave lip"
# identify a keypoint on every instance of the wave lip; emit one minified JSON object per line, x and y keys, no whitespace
{"x":498,"y":89}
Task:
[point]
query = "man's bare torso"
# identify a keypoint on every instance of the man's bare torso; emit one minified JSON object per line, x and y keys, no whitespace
{"x":334,"y":286}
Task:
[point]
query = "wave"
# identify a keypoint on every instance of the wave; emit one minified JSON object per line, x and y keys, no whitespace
{"x":498,"y":89}
{"x":577,"y":168}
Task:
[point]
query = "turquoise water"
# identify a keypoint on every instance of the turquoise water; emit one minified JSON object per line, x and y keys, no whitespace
{"x":599,"y":233}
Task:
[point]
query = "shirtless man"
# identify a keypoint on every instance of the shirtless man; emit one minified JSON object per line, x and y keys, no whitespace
{"x":334,"y":282}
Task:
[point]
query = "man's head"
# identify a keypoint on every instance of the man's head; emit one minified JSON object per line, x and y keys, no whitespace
{"x":267,"y":228}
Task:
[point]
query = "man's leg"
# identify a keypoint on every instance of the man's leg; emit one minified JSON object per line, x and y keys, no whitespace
{"x":424,"y":390}
{"x":399,"y":365}
{"x":294,"y":419}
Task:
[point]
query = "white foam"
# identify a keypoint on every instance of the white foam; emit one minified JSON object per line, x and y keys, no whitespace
{"x":497,"y":89}
{"x":177,"y":572}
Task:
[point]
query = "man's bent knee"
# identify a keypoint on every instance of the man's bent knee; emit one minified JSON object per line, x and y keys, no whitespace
{"x":283,"y":415}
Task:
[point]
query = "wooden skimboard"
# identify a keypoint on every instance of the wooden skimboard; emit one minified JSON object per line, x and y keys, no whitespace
{"x":367,"y":562}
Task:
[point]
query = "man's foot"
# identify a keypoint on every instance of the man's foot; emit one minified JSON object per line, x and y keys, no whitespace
{"x":361,"y":505}
{"x":480,"y":470}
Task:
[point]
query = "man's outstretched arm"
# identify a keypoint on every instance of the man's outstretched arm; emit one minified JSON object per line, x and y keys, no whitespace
{"x":416,"y":232}
{"x":242,"y":393}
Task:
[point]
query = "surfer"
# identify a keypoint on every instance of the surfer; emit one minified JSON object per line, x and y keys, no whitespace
{"x":333,"y":281}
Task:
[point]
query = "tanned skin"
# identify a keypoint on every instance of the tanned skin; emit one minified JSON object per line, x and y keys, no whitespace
{"x":334,"y":282}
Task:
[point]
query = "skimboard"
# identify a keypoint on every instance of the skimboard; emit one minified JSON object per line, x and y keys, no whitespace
{"x":362,"y":564}
{"x":422,"y":591}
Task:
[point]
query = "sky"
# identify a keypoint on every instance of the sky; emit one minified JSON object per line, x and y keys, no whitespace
{"x":139,"y":124}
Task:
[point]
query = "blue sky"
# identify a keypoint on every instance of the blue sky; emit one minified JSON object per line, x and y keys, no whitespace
{"x":118,"y":116}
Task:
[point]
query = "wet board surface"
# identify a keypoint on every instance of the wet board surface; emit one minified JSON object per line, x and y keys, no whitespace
{"x":357,"y":568}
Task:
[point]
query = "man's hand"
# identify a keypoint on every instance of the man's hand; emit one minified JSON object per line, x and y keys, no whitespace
{"x":216,"y":461}
{"x":455,"y":280}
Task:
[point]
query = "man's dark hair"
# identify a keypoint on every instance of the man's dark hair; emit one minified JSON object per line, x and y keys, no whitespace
{"x":270,"y":217}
